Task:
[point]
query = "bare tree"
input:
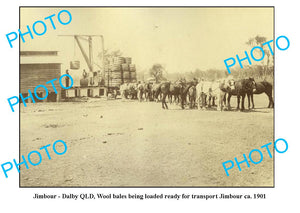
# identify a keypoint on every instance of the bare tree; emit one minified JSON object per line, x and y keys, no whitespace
{"x":157,"y":71}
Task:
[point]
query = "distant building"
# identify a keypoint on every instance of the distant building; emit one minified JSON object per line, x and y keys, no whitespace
{"x":37,"y":68}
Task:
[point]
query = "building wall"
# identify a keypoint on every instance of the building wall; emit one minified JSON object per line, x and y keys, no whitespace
{"x":32,"y":75}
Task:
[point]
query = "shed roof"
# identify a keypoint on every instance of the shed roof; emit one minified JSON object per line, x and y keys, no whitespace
{"x":39,"y":57}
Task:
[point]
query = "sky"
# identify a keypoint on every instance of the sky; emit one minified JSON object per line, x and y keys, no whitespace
{"x":182,"y":39}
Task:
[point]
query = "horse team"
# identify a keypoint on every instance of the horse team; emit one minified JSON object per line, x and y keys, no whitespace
{"x":199,"y":93}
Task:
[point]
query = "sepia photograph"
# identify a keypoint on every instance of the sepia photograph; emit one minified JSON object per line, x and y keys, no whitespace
{"x":146,"y":96}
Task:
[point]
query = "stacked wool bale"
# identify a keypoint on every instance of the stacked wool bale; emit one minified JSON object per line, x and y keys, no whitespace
{"x":129,"y":71}
{"x":113,"y":71}
{"x":120,"y":70}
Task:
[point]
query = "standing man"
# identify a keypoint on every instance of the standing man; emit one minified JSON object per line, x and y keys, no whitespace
{"x":67,"y":79}
{"x":84,"y":74}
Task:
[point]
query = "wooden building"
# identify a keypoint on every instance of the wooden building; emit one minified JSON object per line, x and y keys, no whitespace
{"x":37,"y":68}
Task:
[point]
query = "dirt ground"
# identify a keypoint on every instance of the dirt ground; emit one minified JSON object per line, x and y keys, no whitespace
{"x":127,"y":143}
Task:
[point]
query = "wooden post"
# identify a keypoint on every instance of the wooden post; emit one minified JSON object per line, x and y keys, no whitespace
{"x":45,"y":100}
{"x":58,"y":96}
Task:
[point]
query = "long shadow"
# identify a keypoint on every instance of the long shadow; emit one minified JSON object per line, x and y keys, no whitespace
{"x":250,"y":110}
{"x":232,"y":110}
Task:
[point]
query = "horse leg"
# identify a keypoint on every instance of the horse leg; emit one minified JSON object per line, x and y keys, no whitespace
{"x":164,"y":100}
{"x":214,"y":101}
{"x":221,"y":100}
{"x":228,"y":101}
{"x":198,"y":100}
{"x":209,"y":101}
{"x":204,"y":101}
{"x":252,"y":101}
{"x":182,"y":101}
{"x":271,"y":103}
{"x":193,"y":101}
{"x":156,"y":96}
{"x":248,"y":96}
{"x":224,"y":99}
{"x":140,"y":95}
{"x":238,"y":102}
{"x":243,"y":102}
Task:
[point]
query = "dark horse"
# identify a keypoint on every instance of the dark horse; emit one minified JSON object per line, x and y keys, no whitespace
{"x":263,"y":87}
{"x":148,"y":91}
{"x":165,"y":90}
{"x":174,"y":91}
{"x":243,"y":87}
{"x":184,"y":88}
{"x":192,"y":96}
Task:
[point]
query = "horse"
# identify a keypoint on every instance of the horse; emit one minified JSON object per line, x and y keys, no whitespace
{"x":242,"y":87}
{"x":156,"y":91}
{"x":214,"y":90}
{"x":192,"y":96}
{"x":140,"y":91}
{"x":148,"y":91}
{"x":263,"y":87}
{"x":174,"y":91}
{"x":202,"y":90}
{"x":132,"y":90}
{"x":124,"y":90}
{"x":184,"y":89}
{"x":165,"y":90}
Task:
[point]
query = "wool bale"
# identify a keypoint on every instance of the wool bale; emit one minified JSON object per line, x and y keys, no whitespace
{"x":74,"y":65}
{"x":125,"y":67}
{"x":126,"y":75}
{"x":128,"y":60}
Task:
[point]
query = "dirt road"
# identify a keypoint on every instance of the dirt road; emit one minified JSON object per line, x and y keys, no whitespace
{"x":127,"y":143}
